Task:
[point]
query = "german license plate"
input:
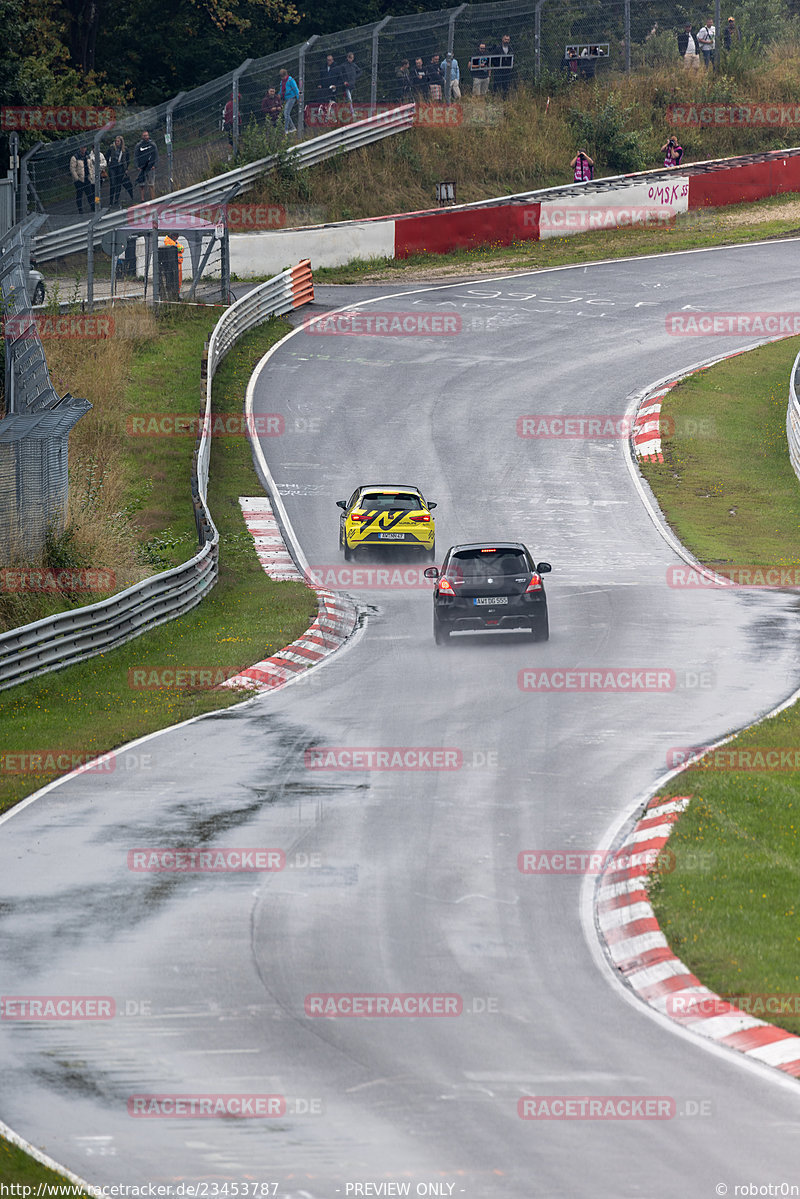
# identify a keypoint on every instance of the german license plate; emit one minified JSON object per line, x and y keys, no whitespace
{"x":491,"y":601}
{"x":391,"y":536}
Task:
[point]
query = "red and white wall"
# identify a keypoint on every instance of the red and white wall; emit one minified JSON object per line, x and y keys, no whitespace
{"x":648,"y":198}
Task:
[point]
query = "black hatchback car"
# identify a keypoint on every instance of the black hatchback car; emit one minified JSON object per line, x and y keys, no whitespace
{"x":488,"y":586}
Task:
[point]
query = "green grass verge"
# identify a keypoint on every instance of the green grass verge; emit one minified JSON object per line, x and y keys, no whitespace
{"x":727,"y":488}
{"x":90,"y":708}
{"x":17,"y":1166}
{"x":695,"y":230}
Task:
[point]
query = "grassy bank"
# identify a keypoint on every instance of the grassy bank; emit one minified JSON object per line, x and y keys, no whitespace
{"x":727,"y":488}
{"x":528,"y":141}
{"x":92,"y":707}
{"x":18,"y":1167}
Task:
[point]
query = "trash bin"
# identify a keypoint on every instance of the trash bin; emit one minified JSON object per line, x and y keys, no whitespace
{"x":168,"y":286}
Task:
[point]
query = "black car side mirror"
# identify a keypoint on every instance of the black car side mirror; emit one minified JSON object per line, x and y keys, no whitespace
{"x":431,"y":507}
{"x":543,"y":568}
{"x":431,"y":572}
{"x":341,"y":504}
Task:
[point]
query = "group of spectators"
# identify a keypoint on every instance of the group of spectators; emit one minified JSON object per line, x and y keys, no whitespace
{"x":691,"y":45}
{"x":115,"y":169}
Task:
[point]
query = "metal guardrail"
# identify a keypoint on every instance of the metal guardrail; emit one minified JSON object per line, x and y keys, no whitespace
{"x":793,"y":417}
{"x":69,"y":637}
{"x":73,"y":238}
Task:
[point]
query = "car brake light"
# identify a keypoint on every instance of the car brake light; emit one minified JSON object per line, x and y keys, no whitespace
{"x":446,"y":587}
{"x":357,"y":516}
{"x":423,"y":516}
{"x":535,"y":584}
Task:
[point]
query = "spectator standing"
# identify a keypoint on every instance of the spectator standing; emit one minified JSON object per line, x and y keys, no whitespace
{"x":330,"y":78}
{"x":435,"y":78}
{"x":452,"y":78}
{"x":103,"y":175}
{"x":502,"y":74}
{"x":480,"y":71}
{"x":673,"y":153}
{"x":570,"y":65}
{"x":583,"y":167}
{"x":687,"y":48}
{"x":405,"y":87}
{"x":419,"y":78}
{"x":707,"y":41}
{"x":79,"y":170}
{"x":227,"y":120}
{"x":145,"y":156}
{"x":289,"y":95}
{"x":118,"y":162}
{"x":271,"y":106}
{"x":350,"y":73}
{"x":731,"y":35}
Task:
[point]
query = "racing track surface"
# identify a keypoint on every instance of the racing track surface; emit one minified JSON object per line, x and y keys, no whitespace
{"x":416,"y":887}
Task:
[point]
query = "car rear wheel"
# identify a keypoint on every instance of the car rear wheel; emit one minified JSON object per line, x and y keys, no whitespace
{"x":541,"y":628}
{"x":38,"y":295}
{"x":348,"y":553}
{"x":441,"y":635}
{"x":430,"y":555}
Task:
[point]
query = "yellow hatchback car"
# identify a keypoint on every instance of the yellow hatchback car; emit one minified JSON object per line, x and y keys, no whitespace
{"x":386,"y":516}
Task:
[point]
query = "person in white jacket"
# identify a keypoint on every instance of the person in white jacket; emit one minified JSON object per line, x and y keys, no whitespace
{"x":82,"y":170}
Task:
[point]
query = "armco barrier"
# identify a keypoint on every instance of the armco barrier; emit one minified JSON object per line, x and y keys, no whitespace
{"x":793,"y":418}
{"x":70,"y":637}
{"x":521,"y":217}
{"x":74,"y":237}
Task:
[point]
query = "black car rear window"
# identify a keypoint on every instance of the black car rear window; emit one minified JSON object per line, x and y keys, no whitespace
{"x":381,"y":501}
{"x":468,"y":565}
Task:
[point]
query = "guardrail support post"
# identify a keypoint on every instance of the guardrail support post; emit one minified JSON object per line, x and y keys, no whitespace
{"x":537,"y":40}
{"x":373,"y":91}
{"x":301,"y":82}
{"x":168,"y":136}
{"x":235,"y":126}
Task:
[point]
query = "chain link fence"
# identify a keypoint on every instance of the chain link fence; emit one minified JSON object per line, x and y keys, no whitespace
{"x":196,"y":138}
{"x":36,"y":421}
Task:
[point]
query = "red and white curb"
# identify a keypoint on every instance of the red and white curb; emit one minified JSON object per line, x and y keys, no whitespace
{"x":335,"y":621}
{"x":646,"y":432}
{"x":640,"y":951}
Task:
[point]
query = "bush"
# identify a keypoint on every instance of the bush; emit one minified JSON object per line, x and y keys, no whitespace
{"x":604,"y":132}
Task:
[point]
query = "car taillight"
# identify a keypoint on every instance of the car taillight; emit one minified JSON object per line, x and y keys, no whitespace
{"x":535,"y":584}
{"x":423,"y":516}
{"x":445,"y":587}
{"x":357,"y":516}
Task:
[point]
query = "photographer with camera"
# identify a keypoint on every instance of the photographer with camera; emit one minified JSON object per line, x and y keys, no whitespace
{"x":583,"y":167}
{"x":673,"y":153}
{"x":145,"y":156}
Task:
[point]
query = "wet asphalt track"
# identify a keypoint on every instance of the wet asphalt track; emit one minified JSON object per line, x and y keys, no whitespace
{"x":415,"y":886}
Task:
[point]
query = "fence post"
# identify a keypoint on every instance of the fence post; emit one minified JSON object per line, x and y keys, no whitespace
{"x":235,"y":115}
{"x":373,"y":91}
{"x":301,"y":82}
{"x":628,"y":34}
{"x":168,"y":137}
{"x":96,"y":149}
{"x":717,"y":19}
{"x":23,"y":180}
{"x":537,"y":40}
